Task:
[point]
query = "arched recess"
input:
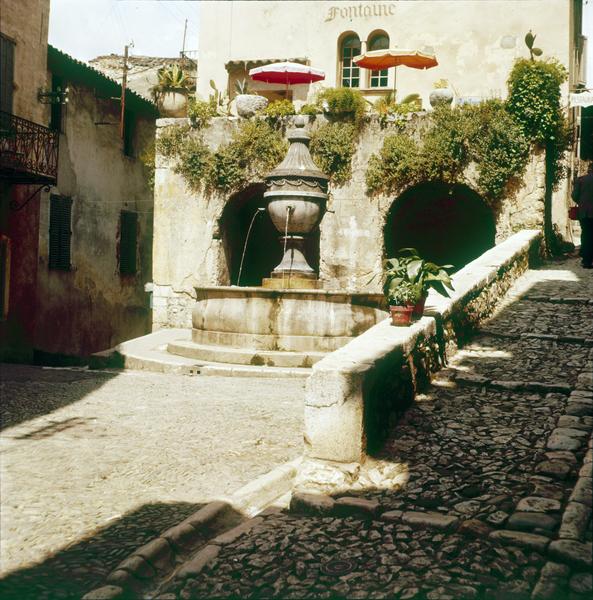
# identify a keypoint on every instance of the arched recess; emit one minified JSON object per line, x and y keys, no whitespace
{"x":264,"y":249}
{"x":447,"y":224}
{"x":378,"y":40}
{"x":348,"y":47}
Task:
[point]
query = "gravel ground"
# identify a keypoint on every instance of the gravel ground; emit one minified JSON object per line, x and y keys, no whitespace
{"x":94,"y":464}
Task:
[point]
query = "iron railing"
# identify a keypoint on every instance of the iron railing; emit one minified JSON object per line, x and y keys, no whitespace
{"x":28,"y":151}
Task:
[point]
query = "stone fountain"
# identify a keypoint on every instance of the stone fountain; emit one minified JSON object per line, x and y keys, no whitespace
{"x":290,"y":321}
{"x":297,"y":197}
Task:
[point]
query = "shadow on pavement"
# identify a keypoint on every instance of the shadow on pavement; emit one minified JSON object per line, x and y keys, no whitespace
{"x":46,"y":390}
{"x":83,"y":565}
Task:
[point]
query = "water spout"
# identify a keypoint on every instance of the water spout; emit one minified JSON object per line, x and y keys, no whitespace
{"x":257,"y":212}
{"x":289,"y":209}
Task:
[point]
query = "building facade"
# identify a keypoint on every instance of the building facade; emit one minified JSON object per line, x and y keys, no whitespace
{"x":475,"y":42}
{"x":75,"y":203}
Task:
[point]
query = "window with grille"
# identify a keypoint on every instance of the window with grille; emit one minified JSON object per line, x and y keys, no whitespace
{"x":350,"y":73}
{"x":128,"y":243}
{"x":378,"y":79}
{"x":60,"y":232}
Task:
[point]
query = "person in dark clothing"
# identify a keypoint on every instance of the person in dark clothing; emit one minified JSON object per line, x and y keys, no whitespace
{"x":582,"y":194}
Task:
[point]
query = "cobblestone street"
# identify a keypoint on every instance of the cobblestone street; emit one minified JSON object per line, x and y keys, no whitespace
{"x":94,"y":464}
{"x":483,"y":489}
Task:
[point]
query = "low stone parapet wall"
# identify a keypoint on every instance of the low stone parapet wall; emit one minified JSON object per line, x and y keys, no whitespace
{"x":355,"y":392}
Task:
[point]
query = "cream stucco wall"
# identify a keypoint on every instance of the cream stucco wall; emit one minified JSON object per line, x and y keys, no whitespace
{"x":466,"y":36}
{"x":26,"y":22}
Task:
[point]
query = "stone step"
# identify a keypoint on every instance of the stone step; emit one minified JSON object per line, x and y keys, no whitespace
{"x":244,"y":356}
{"x":149,"y":353}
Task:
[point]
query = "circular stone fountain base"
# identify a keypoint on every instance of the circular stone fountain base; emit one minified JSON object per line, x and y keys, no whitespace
{"x":283,"y":328}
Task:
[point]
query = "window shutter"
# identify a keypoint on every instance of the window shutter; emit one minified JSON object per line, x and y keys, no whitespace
{"x":60,"y":216}
{"x":128,"y":243}
{"x":586,"y":133}
{"x":6,"y":74}
{"x":4,"y":275}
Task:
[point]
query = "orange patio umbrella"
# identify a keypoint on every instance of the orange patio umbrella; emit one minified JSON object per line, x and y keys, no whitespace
{"x":377,"y":60}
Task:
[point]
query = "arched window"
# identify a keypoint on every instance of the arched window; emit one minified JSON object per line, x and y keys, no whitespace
{"x":349,"y":72}
{"x":378,"y":41}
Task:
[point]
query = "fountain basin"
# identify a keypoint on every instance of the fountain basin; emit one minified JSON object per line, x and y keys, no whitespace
{"x":317,"y":321}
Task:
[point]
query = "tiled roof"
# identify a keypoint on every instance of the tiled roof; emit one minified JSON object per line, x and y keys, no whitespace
{"x":74,"y":70}
{"x":247,"y":64}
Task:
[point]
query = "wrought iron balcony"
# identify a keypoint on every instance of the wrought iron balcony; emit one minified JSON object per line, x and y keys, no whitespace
{"x":28,"y":151}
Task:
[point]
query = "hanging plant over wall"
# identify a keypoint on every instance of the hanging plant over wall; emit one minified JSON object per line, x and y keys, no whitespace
{"x":254,"y":149}
{"x":332,"y":147}
{"x":484,"y":134}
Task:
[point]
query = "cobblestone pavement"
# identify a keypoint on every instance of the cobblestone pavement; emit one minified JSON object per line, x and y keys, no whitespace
{"x":95,"y":464}
{"x":483,"y":489}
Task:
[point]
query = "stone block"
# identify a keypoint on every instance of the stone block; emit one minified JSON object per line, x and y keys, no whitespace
{"x":106,"y":592}
{"x":582,"y":491}
{"x":195,"y":566}
{"x":553,"y":468}
{"x":586,"y":470}
{"x":182,"y":537}
{"x":581,"y":583}
{"x":392,"y":516}
{"x":571,"y":552}
{"x":571,"y":432}
{"x":558,"y":441}
{"x":538,"y":505}
{"x":158,"y":553}
{"x":528,"y":521}
{"x":311,"y":504}
{"x":574,"y":521}
{"x":138,"y":567}
{"x":228,"y":537}
{"x":350,"y":506}
{"x":430,"y":520}
{"x":573,"y":422}
{"x":531,"y":541}
{"x":578,"y":409}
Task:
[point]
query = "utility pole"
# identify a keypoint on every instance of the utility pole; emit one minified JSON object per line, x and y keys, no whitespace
{"x":124,"y":82}
{"x":183,"y":45}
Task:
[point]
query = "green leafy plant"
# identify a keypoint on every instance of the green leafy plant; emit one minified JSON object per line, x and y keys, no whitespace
{"x":440,"y":84}
{"x":276,"y":111}
{"x":389,"y":110}
{"x":219,"y":101}
{"x":529,"y":40}
{"x":147,"y":158}
{"x":170,"y":79}
{"x":310,"y":109}
{"x":343,"y":104}
{"x":407,"y":274}
{"x":484,"y":134}
{"x":404,"y":294}
{"x":242,"y":87}
{"x":534,"y":101}
{"x":332,"y":147}
{"x":200,"y":112}
{"x":253,"y":150}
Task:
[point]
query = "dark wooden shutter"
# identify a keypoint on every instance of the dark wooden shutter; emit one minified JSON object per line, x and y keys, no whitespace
{"x":55,"y":120}
{"x":129,"y":127}
{"x":6,"y":74}
{"x":128,"y":243}
{"x":60,"y":216}
{"x":586,"y":133}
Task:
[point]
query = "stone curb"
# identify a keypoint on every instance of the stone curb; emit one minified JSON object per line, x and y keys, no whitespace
{"x":544,"y":337}
{"x":159,"y":555}
{"x":515,"y":386}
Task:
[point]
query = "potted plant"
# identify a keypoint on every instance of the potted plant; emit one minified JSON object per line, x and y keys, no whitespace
{"x":402,"y":299}
{"x":407,"y":279}
{"x":246,"y":103}
{"x":171,"y":91}
{"x":442,"y":93}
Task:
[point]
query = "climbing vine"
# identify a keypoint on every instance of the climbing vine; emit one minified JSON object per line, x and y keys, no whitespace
{"x":485,"y":135}
{"x":332,"y":147}
{"x":253,"y":150}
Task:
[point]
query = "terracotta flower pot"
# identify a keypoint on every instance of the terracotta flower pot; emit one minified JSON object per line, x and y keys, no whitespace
{"x":419,"y":308}
{"x":401,"y":316}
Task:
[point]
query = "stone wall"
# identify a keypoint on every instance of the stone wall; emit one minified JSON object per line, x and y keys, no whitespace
{"x":354,"y":392}
{"x":92,"y":307}
{"x":188,"y":242}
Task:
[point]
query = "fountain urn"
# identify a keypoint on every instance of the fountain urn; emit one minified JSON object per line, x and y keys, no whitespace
{"x":296,"y":199}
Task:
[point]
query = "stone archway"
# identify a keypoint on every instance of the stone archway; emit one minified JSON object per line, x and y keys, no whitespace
{"x":447,"y":224}
{"x":263,"y":251}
